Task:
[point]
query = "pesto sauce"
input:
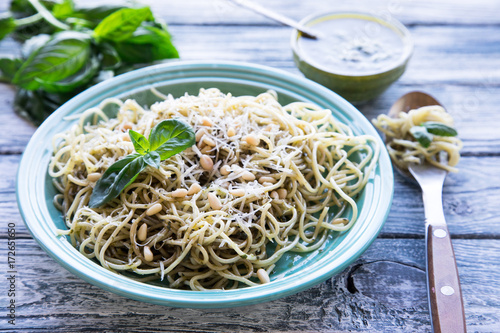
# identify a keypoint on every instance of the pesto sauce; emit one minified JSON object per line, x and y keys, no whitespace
{"x":352,"y":46}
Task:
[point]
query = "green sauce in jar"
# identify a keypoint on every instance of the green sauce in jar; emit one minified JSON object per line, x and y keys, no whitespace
{"x":352,"y":46}
{"x":357,"y":55}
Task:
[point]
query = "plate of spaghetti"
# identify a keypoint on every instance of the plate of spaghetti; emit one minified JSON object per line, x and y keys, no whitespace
{"x":197,"y":184}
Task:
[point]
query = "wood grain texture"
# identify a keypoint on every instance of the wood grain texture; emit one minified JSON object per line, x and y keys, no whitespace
{"x":461,"y":79}
{"x":445,"y":295}
{"x":222,"y":12}
{"x":456,"y":59}
{"x":383,"y":291}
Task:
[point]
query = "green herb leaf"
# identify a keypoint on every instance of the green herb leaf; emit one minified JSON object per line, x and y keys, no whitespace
{"x":141,"y":144}
{"x":117,"y":177}
{"x":120,"y":25}
{"x":147,"y":44}
{"x":36,"y":105}
{"x":33,"y":44}
{"x":64,"y":55}
{"x":170,"y":137}
{"x":421,"y":135}
{"x":74,"y":82}
{"x":7,"y":24}
{"x":440,"y":129}
{"x":168,"y":134}
{"x":8,"y":68}
{"x":110,"y":57}
{"x":95,"y":15}
{"x":153,"y":159}
{"x":57,"y":65}
{"x":63,"y":9}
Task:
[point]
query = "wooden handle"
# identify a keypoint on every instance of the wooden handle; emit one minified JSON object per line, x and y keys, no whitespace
{"x":445,"y":295}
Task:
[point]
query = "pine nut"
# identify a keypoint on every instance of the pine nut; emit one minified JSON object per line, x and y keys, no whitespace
{"x":214,"y":201}
{"x":248,"y":176}
{"x":207,"y":122}
{"x":267,"y":184}
{"x":225,"y":170}
{"x":238,"y":192}
{"x":231,"y":132}
{"x":195,"y":188}
{"x":142,"y":234}
{"x":179,"y":193}
{"x":127,"y":126}
{"x":282,"y":193}
{"x":206,"y":162}
{"x":275,"y":195}
{"x":155,"y":209}
{"x":93,"y":177}
{"x":199,"y":134}
{"x":252,"y":140}
{"x":126,"y":137}
{"x":209,"y":141}
{"x":263,"y":276}
{"x":206,"y":150}
{"x":265,"y":179}
{"x":148,"y":255}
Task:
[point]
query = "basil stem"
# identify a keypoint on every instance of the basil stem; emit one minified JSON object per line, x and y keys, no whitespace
{"x":48,"y":16}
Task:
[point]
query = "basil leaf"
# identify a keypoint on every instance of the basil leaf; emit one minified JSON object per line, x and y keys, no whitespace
{"x":170,"y":137}
{"x":37,"y":105}
{"x":64,"y":55}
{"x":33,"y":44}
{"x":153,"y":159}
{"x":110,"y":57}
{"x":440,"y":129}
{"x":8,"y":68}
{"x":120,"y":25}
{"x":118,"y":176}
{"x":147,"y":44}
{"x":64,"y":9}
{"x":7,"y":24}
{"x":141,"y":144}
{"x":74,"y":82}
{"x":95,"y":14}
{"x":421,"y":135}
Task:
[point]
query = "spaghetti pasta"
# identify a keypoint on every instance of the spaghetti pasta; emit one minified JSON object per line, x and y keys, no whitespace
{"x":403,"y":147}
{"x":263,"y":179}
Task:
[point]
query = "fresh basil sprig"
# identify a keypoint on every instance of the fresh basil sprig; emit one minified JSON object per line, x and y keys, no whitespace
{"x":166,"y":139}
{"x":68,"y":48}
{"x":424,"y":134}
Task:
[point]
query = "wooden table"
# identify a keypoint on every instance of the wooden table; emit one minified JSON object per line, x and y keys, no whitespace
{"x":456,"y":58}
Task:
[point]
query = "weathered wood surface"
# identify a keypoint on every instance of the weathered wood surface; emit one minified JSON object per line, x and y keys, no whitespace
{"x":456,"y":58}
{"x":383,"y":291}
{"x":466,"y":81}
{"x":410,"y":12}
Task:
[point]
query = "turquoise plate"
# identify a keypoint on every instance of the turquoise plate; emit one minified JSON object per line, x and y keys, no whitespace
{"x":294,"y":273}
